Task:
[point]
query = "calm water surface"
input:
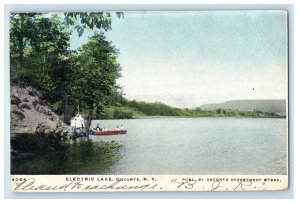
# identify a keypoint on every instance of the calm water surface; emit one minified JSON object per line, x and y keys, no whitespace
{"x":200,"y":146}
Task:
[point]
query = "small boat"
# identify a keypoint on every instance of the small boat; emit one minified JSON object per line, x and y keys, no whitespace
{"x":109,"y":132}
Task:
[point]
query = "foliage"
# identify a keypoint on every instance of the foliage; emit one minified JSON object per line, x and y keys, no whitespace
{"x":95,"y":70}
{"x":91,"y":20}
{"x":140,"y":109}
{"x":122,"y":114}
{"x":40,"y":143}
{"x":40,"y":53}
{"x":42,"y":45}
{"x":156,"y":109}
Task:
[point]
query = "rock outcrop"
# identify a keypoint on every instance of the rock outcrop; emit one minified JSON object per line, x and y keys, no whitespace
{"x":28,"y":112}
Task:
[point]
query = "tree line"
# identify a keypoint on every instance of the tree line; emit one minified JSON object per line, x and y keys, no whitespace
{"x":40,"y":54}
{"x":127,"y":109}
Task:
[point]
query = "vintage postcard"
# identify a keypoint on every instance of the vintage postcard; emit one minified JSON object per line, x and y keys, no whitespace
{"x":149,"y":101}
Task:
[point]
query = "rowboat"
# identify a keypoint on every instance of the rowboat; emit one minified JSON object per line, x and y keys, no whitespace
{"x":109,"y":132}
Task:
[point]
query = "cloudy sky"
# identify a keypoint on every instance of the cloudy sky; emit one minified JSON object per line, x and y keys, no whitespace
{"x":188,"y":59}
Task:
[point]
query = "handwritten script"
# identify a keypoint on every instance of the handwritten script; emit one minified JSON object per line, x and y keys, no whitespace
{"x":214,"y":186}
{"x":31,"y":185}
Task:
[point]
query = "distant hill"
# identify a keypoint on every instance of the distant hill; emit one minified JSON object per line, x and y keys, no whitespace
{"x":276,"y":106}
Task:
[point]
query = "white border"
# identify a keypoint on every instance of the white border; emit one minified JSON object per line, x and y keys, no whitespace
{"x":294,"y":85}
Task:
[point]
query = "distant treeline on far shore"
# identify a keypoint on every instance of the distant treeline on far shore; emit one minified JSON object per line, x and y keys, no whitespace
{"x":137,"y":109}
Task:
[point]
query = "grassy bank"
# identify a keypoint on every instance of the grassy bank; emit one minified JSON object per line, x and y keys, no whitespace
{"x":55,"y":153}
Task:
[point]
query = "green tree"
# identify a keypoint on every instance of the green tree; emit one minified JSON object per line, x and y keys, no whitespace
{"x":21,"y":33}
{"x":40,"y":52}
{"x":39,"y":47}
{"x":95,"y":71}
{"x":92,"y":20}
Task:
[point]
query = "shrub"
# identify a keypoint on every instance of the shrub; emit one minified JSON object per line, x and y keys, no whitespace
{"x":40,"y":143}
{"x":122,"y":114}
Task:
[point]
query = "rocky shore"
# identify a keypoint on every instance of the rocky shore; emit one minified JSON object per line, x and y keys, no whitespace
{"x":28,"y":112}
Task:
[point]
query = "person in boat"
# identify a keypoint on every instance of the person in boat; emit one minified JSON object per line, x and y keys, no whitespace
{"x":121,"y":127}
{"x":117,"y":128}
{"x":98,"y":127}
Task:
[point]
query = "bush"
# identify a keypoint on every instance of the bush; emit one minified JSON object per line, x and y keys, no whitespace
{"x":40,"y":143}
{"x":122,"y":114}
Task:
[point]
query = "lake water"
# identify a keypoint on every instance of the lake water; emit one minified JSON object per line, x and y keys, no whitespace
{"x":200,"y":146}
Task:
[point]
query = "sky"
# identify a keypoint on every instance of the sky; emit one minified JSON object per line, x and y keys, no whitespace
{"x":187,"y":59}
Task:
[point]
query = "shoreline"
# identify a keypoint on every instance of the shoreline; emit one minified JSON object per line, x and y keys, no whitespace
{"x":160,"y":117}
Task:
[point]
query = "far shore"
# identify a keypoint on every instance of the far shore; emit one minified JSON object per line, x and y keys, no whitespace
{"x":158,"y":117}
